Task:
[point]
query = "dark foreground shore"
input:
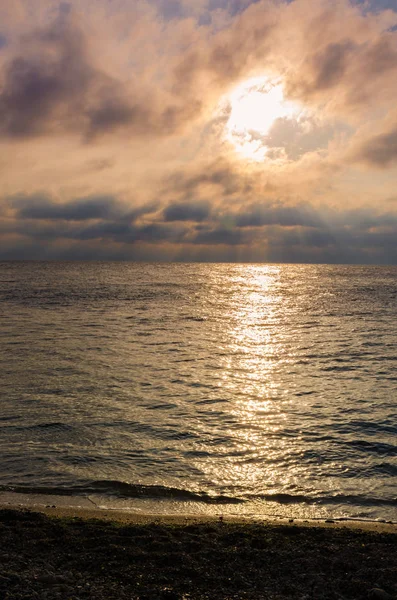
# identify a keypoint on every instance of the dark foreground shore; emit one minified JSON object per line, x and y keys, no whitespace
{"x":45,"y":557}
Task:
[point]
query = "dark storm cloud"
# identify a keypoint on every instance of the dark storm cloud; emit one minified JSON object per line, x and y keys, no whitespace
{"x":108,"y":230}
{"x":139,"y":211}
{"x":379,"y":151}
{"x":220,"y":235}
{"x":264,"y":232}
{"x":187,"y":211}
{"x":113,"y":231}
{"x":258,"y":215}
{"x":129,"y":234}
{"x":101,"y":207}
{"x":365,"y":219}
{"x":81,"y":209}
{"x":38,"y":230}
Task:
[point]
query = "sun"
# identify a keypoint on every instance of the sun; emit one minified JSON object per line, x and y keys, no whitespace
{"x":254,"y":107}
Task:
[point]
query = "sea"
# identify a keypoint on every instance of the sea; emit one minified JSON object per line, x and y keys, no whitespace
{"x":206,"y":389}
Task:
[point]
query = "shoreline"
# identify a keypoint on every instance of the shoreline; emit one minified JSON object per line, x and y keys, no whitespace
{"x":84,"y":508}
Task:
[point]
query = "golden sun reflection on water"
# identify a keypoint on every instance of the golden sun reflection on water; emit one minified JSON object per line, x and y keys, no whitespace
{"x":253,"y":339}
{"x":254,"y":352}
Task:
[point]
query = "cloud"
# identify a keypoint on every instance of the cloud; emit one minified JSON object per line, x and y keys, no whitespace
{"x":170,"y":9}
{"x":43,"y":207}
{"x":220,"y":235}
{"x":54,"y":83}
{"x":315,"y":47}
{"x":222,"y":59}
{"x":220,"y":176}
{"x":349,"y":58}
{"x":378,"y":5}
{"x":267,"y":230}
{"x":118,"y":111}
{"x":47,"y":85}
{"x":380,"y":150}
{"x":125,"y":233}
{"x":187,"y":211}
{"x":120,"y":232}
{"x":258,"y":215}
{"x":329,"y":65}
{"x":52,"y":86}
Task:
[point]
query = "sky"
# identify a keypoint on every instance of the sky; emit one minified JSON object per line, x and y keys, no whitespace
{"x":199,"y":130}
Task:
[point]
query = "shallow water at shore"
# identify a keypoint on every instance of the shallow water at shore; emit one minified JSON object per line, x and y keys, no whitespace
{"x":247,"y":388}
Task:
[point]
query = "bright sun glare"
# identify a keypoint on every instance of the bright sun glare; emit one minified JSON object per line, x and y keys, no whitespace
{"x":254,"y":106}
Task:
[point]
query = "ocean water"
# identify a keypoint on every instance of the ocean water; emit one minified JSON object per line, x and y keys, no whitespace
{"x":235,"y":389}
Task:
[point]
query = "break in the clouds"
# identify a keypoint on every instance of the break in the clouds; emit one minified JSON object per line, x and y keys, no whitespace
{"x":206,"y":130}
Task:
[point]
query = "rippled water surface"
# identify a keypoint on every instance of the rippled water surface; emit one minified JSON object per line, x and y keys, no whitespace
{"x":267,"y":389}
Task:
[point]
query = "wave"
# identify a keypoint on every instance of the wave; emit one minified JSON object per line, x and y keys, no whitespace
{"x":55,"y":426}
{"x":365,"y":446}
{"x":339,"y":499}
{"x":125,"y":490}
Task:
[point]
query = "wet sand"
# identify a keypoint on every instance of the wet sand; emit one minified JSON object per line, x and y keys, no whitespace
{"x":89,"y":554}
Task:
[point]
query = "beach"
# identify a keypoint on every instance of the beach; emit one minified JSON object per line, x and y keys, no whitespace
{"x":89,"y":554}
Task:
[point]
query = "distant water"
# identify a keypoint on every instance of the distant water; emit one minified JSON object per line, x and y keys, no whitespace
{"x":250,"y":389}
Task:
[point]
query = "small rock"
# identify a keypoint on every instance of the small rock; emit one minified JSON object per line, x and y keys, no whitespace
{"x":290,"y":520}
